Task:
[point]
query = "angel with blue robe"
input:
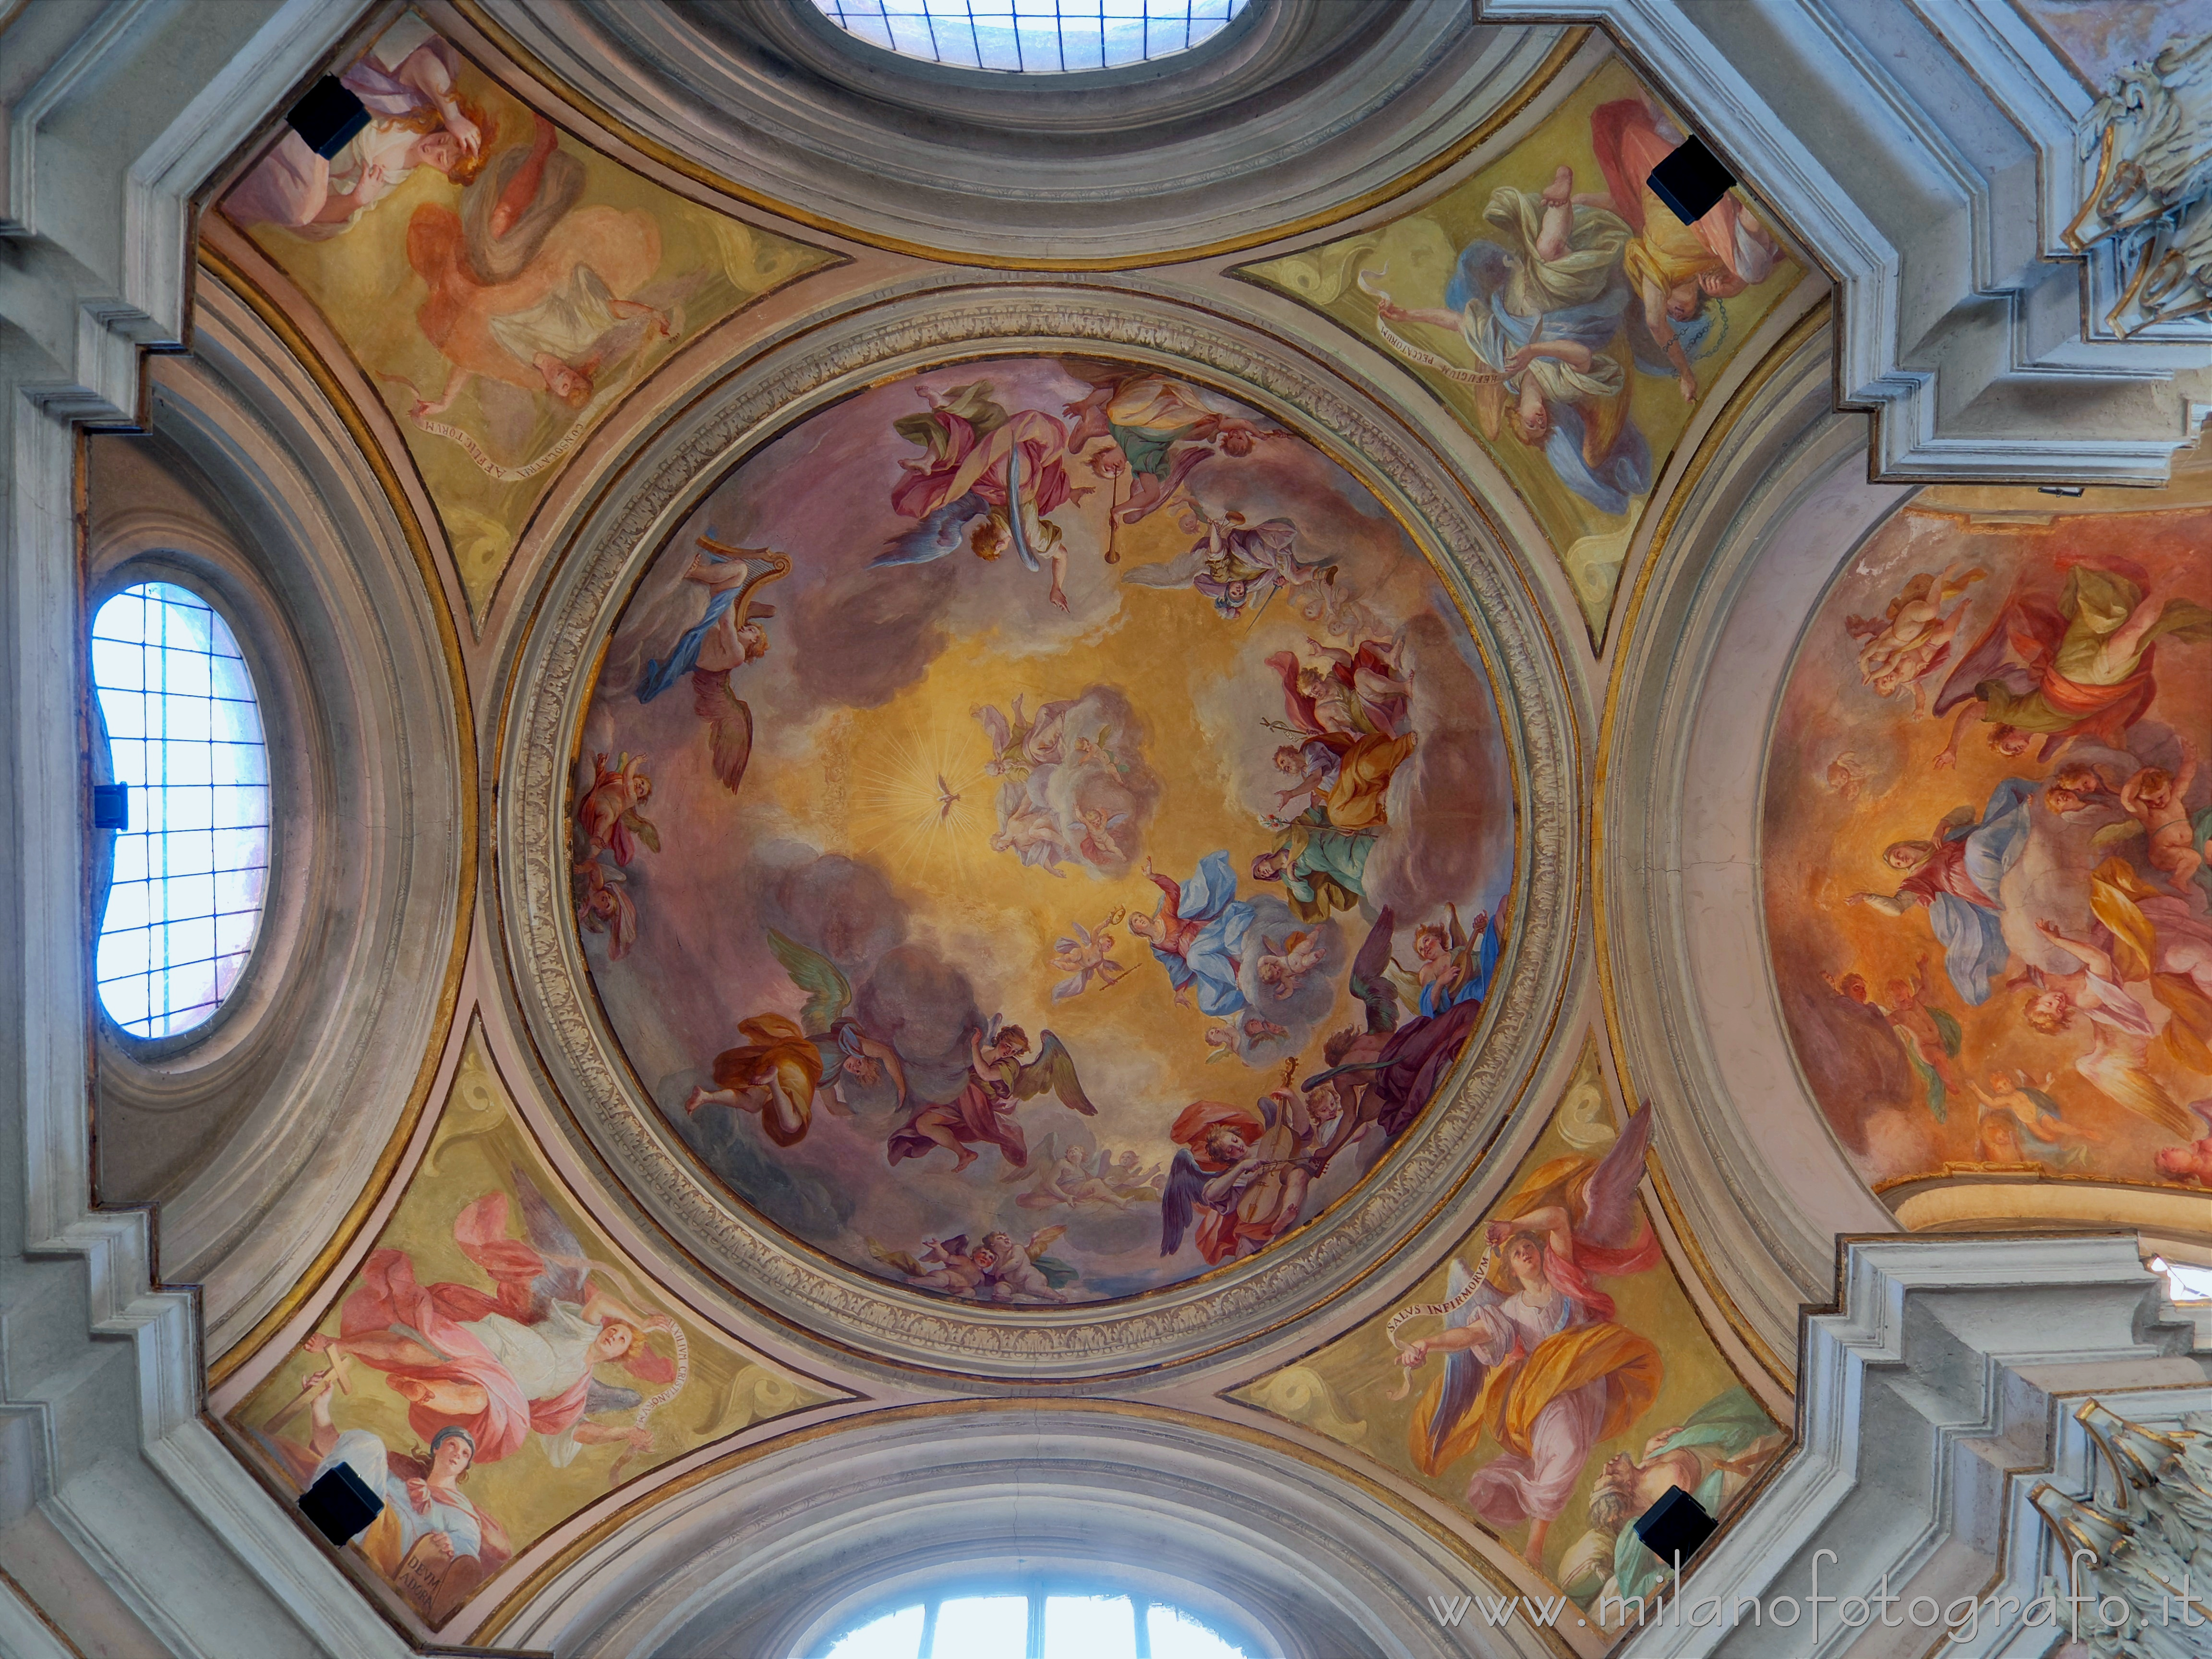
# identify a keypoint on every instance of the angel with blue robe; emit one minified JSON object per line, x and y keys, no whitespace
{"x":1534,"y":1355}
{"x":1541,"y":308}
{"x":1198,"y":932}
{"x":1958,"y":874}
{"x":726,"y":638}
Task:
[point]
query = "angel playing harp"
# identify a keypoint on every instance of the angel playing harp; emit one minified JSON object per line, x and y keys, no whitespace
{"x":728,"y":636}
{"x":787,"y":1062}
{"x":1533,"y":1354}
{"x":983,"y":1111}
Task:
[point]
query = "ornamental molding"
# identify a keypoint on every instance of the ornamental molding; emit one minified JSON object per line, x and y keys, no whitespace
{"x":546,"y":974}
{"x":2139,"y":1543}
{"x":2148,"y":206}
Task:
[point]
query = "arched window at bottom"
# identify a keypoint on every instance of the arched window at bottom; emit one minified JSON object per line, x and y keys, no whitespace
{"x":1038,"y":1624}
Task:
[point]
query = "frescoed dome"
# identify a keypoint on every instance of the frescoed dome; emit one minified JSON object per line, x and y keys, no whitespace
{"x":1043,"y":831}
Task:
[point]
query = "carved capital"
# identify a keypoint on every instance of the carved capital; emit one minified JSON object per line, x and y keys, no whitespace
{"x":2150,"y":202}
{"x":2140,"y":1549}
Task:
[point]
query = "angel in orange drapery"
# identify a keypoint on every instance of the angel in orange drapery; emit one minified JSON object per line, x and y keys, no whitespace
{"x":1533,"y":1356}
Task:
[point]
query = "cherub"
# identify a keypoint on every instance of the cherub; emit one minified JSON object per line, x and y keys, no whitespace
{"x":608,"y":814}
{"x":948,"y":1265}
{"x":1912,"y":638}
{"x":1076,"y":1181}
{"x":2075,"y":787}
{"x":2019,"y":1123}
{"x":2192,"y":1161}
{"x":725,"y":638}
{"x":1911,"y":616}
{"x":1032,"y":834}
{"x":1284,"y":967}
{"x":1096,"y":843}
{"x":1022,"y":1272}
{"x":602,"y":906}
{"x":1847,"y":774}
{"x":1087,"y":751}
{"x":1456,"y":962}
{"x":2153,"y":797}
{"x":984,"y":1110}
{"x":1238,"y":1040}
{"x":778,"y":1074}
{"x":1086,"y":955}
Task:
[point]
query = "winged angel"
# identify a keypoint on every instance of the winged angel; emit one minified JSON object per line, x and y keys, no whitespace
{"x":726,"y":637}
{"x":983,"y":1111}
{"x":786,"y":1063}
{"x":517,"y":1359}
{"x":1532,"y":1353}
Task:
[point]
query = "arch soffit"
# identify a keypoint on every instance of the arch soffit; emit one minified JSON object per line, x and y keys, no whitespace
{"x":785,"y":1540}
{"x":373,"y":666}
{"x":1770,"y":510}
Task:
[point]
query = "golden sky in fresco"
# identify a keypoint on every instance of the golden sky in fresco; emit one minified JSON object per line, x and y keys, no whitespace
{"x":1936,"y":1064}
{"x":841,"y":838}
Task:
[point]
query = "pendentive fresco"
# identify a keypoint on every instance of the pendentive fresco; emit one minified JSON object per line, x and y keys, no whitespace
{"x":503,"y":285}
{"x":1563,"y":313}
{"x":1551,"y":1378}
{"x":493,"y":1365}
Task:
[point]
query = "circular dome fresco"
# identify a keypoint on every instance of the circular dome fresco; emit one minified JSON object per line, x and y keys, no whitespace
{"x":1040,"y":832}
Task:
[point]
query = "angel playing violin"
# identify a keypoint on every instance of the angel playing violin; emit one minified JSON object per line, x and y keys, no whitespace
{"x":1532,"y":1352}
{"x":984,"y":1110}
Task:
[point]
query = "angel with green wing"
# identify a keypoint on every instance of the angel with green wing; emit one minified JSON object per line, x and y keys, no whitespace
{"x":785,"y":1063}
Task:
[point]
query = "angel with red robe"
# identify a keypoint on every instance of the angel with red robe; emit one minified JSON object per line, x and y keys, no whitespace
{"x":983,"y":1111}
{"x":508,"y":1361}
{"x":987,"y":478}
{"x":1534,"y":1356}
